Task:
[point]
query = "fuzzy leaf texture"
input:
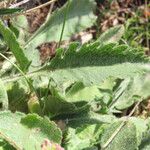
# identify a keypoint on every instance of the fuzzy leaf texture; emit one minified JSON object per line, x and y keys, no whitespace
{"x":93,"y":63}
{"x":32,"y":130}
{"x":79,"y":17}
{"x":125,"y":140}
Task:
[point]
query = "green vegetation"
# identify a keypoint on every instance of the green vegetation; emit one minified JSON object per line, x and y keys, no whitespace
{"x":91,"y":96}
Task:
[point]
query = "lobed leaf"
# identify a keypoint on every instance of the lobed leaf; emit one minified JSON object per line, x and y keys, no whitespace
{"x":93,"y":63}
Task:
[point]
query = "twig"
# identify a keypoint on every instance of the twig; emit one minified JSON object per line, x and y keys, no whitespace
{"x":29,"y":10}
{"x":41,"y":6}
{"x":19,"y":3}
{"x":19,"y":76}
{"x":120,"y":127}
{"x":51,"y":8}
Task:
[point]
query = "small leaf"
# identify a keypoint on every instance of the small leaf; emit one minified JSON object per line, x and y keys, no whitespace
{"x":14,"y":46}
{"x":112,"y":35}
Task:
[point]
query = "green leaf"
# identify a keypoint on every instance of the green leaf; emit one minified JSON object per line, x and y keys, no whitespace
{"x":82,"y":137}
{"x":7,"y":67}
{"x":32,"y":130}
{"x":130,"y":91}
{"x":79,"y":17}
{"x":77,"y":99}
{"x":79,"y":92}
{"x":92,"y":63}
{"x":55,"y":106}
{"x":5,"y":146}
{"x":14,"y":46}
{"x":113,"y":34}
{"x":89,"y":118}
{"x":18,"y":95}
{"x":6,"y":11}
{"x":125,"y":139}
{"x":141,"y":127}
{"x":21,"y":24}
{"x":3,"y":97}
{"x":145,"y":145}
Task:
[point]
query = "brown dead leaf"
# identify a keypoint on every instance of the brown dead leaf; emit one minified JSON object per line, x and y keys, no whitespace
{"x":47,"y":51}
{"x":146,"y":13}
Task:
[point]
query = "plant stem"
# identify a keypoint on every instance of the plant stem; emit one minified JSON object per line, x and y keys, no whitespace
{"x":32,"y":89}
{"x":64,"y":22}
{"x":19,"y":3}
{"x":18,"y":76}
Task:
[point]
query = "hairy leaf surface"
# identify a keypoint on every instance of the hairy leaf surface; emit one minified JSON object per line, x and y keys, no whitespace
{"x":125,"y":139}
{"x":92,"y":63}
{"x":27,"y":131}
